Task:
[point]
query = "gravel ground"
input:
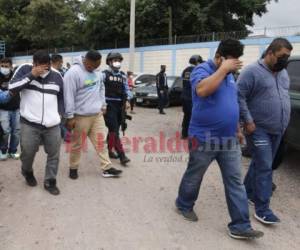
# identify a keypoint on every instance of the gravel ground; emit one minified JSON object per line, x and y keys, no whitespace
{"x":137,"y":210}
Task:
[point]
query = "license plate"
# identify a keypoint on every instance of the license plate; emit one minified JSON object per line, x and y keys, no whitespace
{"x":139,"y":100}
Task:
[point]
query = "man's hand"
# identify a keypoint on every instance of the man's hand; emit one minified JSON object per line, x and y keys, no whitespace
{"x":127,"y":105}
{"x":39,"y":70}
{"x":249,"y":127}
{"x":103,"y":110}
{"x":70,"y":125}
{"x":231,"y":65}
{"x":240,"y":137}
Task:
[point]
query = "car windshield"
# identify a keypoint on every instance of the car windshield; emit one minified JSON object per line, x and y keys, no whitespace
{"x":294,"y":74}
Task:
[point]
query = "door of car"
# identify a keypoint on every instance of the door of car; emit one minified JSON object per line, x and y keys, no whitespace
{"x":293,"y":133}
{"x":176,"y":91}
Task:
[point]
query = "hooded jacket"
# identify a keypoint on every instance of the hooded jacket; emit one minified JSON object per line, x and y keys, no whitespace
{"x":84,"y":91}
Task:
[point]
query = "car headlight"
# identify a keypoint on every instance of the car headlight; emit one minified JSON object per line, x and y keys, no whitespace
{"x":152,"y":95}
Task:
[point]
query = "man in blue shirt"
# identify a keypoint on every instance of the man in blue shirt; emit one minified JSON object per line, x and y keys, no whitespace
{"x":265,"y":110}
{"x":213,"y":136}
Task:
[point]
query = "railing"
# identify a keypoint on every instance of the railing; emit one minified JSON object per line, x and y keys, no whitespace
{"x":204,"y":37}
{"x":2,"y":49}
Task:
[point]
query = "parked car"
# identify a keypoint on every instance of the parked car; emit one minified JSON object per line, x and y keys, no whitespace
{"x":147,"y":94}
{"x":292,"y":134}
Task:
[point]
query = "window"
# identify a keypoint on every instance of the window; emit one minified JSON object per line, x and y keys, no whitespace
{"x":293,"y":69}
{"x":145,"y":79}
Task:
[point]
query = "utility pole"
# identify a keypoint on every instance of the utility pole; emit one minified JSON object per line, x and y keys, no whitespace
{"x":170,"y":24}
{"x":132,"y":35}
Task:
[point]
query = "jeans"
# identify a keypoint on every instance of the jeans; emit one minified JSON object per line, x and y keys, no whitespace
{"x":162,"y":99}
{"x":31,"y":137}
{"x":258,"y":181}
{"x":229,"y":162}
{"x":10,"y":122}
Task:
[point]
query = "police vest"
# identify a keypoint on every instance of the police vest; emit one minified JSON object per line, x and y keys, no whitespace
{"x":187,"y":88}
{"x":114,"y":84}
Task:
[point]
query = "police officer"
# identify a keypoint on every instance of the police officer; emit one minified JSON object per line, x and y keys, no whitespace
{"x":116,"y":94}
{"x":187,"y":94}
{"x":162,"y":89}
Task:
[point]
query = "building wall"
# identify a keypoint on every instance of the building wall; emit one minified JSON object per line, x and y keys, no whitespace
{"x":175,"y":57}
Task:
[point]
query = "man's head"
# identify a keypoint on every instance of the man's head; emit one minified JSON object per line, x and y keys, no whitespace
{"x":163,"y":68}
{"x":6,"y":66}
{"x":57,"y":61}
{"x":277,"y":54}
{"x":41,"y":57}
{"x":195,"y":60}
{"x":228,"y":49}
{"x":114,"y":60}
{"x":92,"y":60}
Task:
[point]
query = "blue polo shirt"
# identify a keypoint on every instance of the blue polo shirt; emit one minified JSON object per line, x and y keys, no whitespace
{"x":214,"y":118}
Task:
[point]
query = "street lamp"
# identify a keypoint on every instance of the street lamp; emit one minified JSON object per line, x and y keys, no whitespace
{"x":132,"y":35}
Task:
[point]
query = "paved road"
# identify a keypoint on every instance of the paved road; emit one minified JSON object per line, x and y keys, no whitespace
{"x":137,"y":210}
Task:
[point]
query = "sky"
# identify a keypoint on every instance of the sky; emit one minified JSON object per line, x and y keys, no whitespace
{"x":283,"y":13}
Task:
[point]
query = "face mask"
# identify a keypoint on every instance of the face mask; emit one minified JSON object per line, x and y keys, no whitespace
{"x":45,"y":74}
{"x":5,"y":71}
{"x":116,"y":65}
{"x":281,"y":64}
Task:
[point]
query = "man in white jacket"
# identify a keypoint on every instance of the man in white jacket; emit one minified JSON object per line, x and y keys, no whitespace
{"x":84,"y":95}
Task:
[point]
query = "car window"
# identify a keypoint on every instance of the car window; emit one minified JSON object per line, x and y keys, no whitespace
{"x":178,"y":83}
{"x":294,"y":74}
{"x":145,"y":79}
{"x":170,"y":81}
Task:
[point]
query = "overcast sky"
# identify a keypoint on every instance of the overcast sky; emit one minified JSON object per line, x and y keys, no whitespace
{"x":283,"y":13}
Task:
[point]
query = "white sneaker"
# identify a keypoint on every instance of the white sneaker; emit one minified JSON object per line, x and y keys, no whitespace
{"x":3,"y":157}
{"x":15,"y":156}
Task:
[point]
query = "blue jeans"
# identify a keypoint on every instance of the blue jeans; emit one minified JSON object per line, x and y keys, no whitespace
{"x":230,"y":165}
{"x":258,"y":181}
{"x":10,"y":122}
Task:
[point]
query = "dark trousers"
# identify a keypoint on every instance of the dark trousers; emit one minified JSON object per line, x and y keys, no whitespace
{"x":187,"y":113}
{"x":113,"y":119}
{"x":162,"y":99}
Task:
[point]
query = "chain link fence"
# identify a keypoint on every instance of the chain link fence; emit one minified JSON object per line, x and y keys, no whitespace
{"x":205,"y":37}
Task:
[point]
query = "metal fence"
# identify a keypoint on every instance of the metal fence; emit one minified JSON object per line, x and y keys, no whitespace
{"x":204,"y":37}
{"x":2,"y":49}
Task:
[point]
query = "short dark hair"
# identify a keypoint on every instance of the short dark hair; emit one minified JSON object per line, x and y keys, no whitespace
{"x":6,"y":60}
{"x":279,"y":43}
{"x":230,"y":47}
{"x":56,"y":58}
{"x":41,"y":57}
{"x":93,"y":55}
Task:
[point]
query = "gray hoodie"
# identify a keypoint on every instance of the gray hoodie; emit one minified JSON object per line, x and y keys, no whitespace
{"x":84,"y":92}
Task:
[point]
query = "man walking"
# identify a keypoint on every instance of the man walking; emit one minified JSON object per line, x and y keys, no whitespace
{"x":162,"y":89}
{"x":84,"y":96}
{"x":9,"y":115}
{"x":213,"y":130}
{"x":187,"y":94}
{"x":265,"y":110}
{"x":41,"y":108}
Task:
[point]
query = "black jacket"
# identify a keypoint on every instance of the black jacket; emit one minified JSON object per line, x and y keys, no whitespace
{"x":187,"y":88}
{"x":161,"y":81}
{"x":14,"y":103}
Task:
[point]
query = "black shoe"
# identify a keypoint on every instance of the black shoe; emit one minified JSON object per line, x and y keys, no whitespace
{"x":73,"y":174}
{"x":113,"y":155}
{"x":124,"y":160}
{"x":111,"y":173}
{"x":273,"y":187}
{"x":50,"y":186}
{"x":188,"y":215}
{"x":162,"y":113}
{"x":30,"y":179}
{"x":250,"y":234}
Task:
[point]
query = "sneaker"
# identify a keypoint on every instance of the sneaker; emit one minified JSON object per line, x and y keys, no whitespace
{"x":273,"y":186}
{"x":190,"y":215}
{"x":50,"y":186}
{"x":162,"y":113}
{"x":251,"y":202}
{"x":111,"y":173}
{"x":113,"y":155}
{"x":30,"y":179}
{"x":270,"y":219}
{"x":15,"y":156}
{"x":250,"y":234}
{"x":73,"y":174}
{"x":124,"y":160}
{"x":3,"y":157}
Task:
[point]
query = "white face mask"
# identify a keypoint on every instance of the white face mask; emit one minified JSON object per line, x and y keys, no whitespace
{"x":45,"y":74}
{"x":5,"y":71}
{"x":116,"y":65}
